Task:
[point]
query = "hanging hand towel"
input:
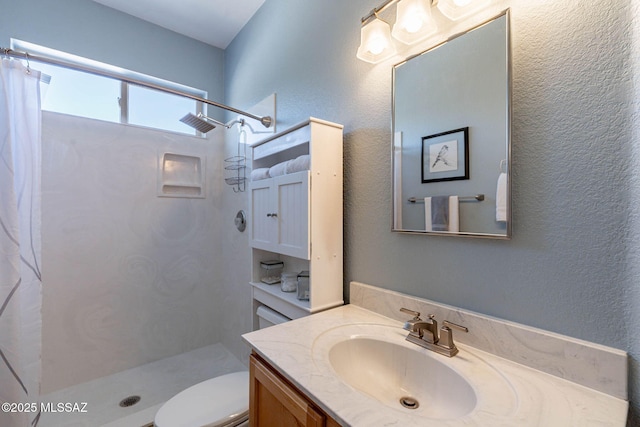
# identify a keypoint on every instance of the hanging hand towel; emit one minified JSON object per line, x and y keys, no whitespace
{"x":501,"y":198}
{"x":442,"y":214}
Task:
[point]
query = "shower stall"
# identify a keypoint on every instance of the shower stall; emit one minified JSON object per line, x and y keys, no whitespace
{"x":130,"y":275}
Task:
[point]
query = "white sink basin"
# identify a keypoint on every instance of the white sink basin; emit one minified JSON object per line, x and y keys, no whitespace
{"x":402,"y":377}
{"x":377,"y":364}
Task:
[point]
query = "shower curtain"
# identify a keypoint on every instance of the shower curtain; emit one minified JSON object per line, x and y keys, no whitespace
{"x":20,"y":277}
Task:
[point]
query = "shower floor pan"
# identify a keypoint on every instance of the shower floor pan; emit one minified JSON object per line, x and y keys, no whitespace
{"x":154,"y":383}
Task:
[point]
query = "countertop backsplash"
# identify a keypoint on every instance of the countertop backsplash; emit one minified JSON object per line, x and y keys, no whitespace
{"x":591,"y":365}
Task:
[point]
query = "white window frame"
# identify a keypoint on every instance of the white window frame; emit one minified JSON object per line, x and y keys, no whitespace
{"x":123,"y":101}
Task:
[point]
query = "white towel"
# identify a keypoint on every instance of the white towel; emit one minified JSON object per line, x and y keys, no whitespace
{"x":279,"y":169}
{"x":501,"y":198}
{"x":300,"y":163}
{"x":454,"y":214}
{"x":259,"y":173}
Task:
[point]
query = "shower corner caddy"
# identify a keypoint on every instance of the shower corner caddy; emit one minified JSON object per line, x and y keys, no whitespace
{"x":298,"y":223}
{"x":237,"y":165}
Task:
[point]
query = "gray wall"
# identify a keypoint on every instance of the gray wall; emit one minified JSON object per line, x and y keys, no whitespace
{"x":567,"y":267}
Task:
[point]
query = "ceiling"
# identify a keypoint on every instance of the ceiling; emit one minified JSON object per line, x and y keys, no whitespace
{"x":215,"y":22}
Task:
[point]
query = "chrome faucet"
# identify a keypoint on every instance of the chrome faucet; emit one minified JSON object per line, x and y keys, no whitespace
{"x":425,"y":333}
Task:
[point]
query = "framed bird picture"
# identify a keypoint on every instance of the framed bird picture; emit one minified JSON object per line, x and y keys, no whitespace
{"x":445,"y":156}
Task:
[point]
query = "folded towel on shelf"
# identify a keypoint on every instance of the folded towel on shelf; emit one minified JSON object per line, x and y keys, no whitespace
{"x":300,"y":163}
{"x":259,"y":173}
{"x":501,"y":198}
{"x":441,"y":213}
{"x":279,"y":169}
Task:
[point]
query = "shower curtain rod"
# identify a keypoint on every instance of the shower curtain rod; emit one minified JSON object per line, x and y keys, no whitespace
{"x":266,"y":120}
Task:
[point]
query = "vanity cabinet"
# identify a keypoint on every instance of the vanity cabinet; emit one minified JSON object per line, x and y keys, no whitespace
{"x":274,"y":402}
{"x":295,"y":216}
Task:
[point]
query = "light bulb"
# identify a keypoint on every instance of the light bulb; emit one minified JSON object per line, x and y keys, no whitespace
{"x":412,"y":24}
{"x":376,"y":45}
{"x":375,"y":42}
{"x":413,"y":21}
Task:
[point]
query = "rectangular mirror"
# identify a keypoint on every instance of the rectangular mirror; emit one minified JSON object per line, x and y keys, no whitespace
{"x":451,"y":136}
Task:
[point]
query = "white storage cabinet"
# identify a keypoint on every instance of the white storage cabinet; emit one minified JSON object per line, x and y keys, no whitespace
{"x":298,"y":217}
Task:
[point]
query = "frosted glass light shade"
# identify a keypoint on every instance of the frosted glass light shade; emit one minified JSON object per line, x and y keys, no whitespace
{"x":375,"y":42}
{"x":458,"y":9}
{"x":413,"y":21}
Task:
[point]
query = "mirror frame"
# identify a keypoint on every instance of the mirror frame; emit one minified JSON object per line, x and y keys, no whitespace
{"x":509,"y":223}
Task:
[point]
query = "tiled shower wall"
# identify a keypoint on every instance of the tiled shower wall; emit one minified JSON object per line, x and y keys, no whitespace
{"x":129,"y":277}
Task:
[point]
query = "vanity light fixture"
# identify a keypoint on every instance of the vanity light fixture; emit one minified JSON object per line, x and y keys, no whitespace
{"x":375,"y":41}
{"x":458,"y":9}
{"x":413,"y":24}
{"x":413,"y":21}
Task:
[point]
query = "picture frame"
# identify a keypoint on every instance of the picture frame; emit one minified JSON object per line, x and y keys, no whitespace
{"x":445,"y":156}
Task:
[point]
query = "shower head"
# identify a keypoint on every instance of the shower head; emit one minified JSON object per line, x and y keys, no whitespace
{"x":204,"y":124}
{"x":201,"y":123}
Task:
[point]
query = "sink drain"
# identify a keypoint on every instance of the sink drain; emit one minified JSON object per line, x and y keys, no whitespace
{"x":129,"y":401}
{"x":409,"y":402}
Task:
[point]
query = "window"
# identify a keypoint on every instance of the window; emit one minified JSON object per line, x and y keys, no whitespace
{"x":88,"y":95}
{"x":80,"y":94}
{"x":144,"y":111}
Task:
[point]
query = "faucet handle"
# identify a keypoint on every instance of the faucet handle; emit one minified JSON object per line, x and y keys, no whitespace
{"x":446,"y":336}
{"x":415,"y":314}
{"x":455,"y":326}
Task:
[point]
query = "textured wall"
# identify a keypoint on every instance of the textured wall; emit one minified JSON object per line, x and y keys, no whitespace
{"x":631,"y":312}
{"x":129,"y":277}
{"x":565,"y":270}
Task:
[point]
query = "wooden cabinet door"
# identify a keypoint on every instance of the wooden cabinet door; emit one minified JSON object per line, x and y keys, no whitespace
{"x":275,"y":403}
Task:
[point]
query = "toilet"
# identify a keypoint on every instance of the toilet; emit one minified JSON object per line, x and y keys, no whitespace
{"x":268,"y":317}
{"x":218,"y":402}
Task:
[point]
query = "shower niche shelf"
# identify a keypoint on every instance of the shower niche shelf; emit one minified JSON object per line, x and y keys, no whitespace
{"x":181,"y":175}
{"x":296,"y":216}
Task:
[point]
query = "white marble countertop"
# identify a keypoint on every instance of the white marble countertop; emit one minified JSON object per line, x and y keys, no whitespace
{"x":514,"y":395}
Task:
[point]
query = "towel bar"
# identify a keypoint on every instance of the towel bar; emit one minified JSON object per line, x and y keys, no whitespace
{"x":476,"y":198}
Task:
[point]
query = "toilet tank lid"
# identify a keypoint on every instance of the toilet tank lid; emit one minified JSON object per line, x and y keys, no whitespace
{"x":271,"y":315}
{"x":214,"y":402}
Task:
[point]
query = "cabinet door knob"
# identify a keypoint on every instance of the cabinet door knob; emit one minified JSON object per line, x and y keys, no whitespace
{"x":274,"y":215}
